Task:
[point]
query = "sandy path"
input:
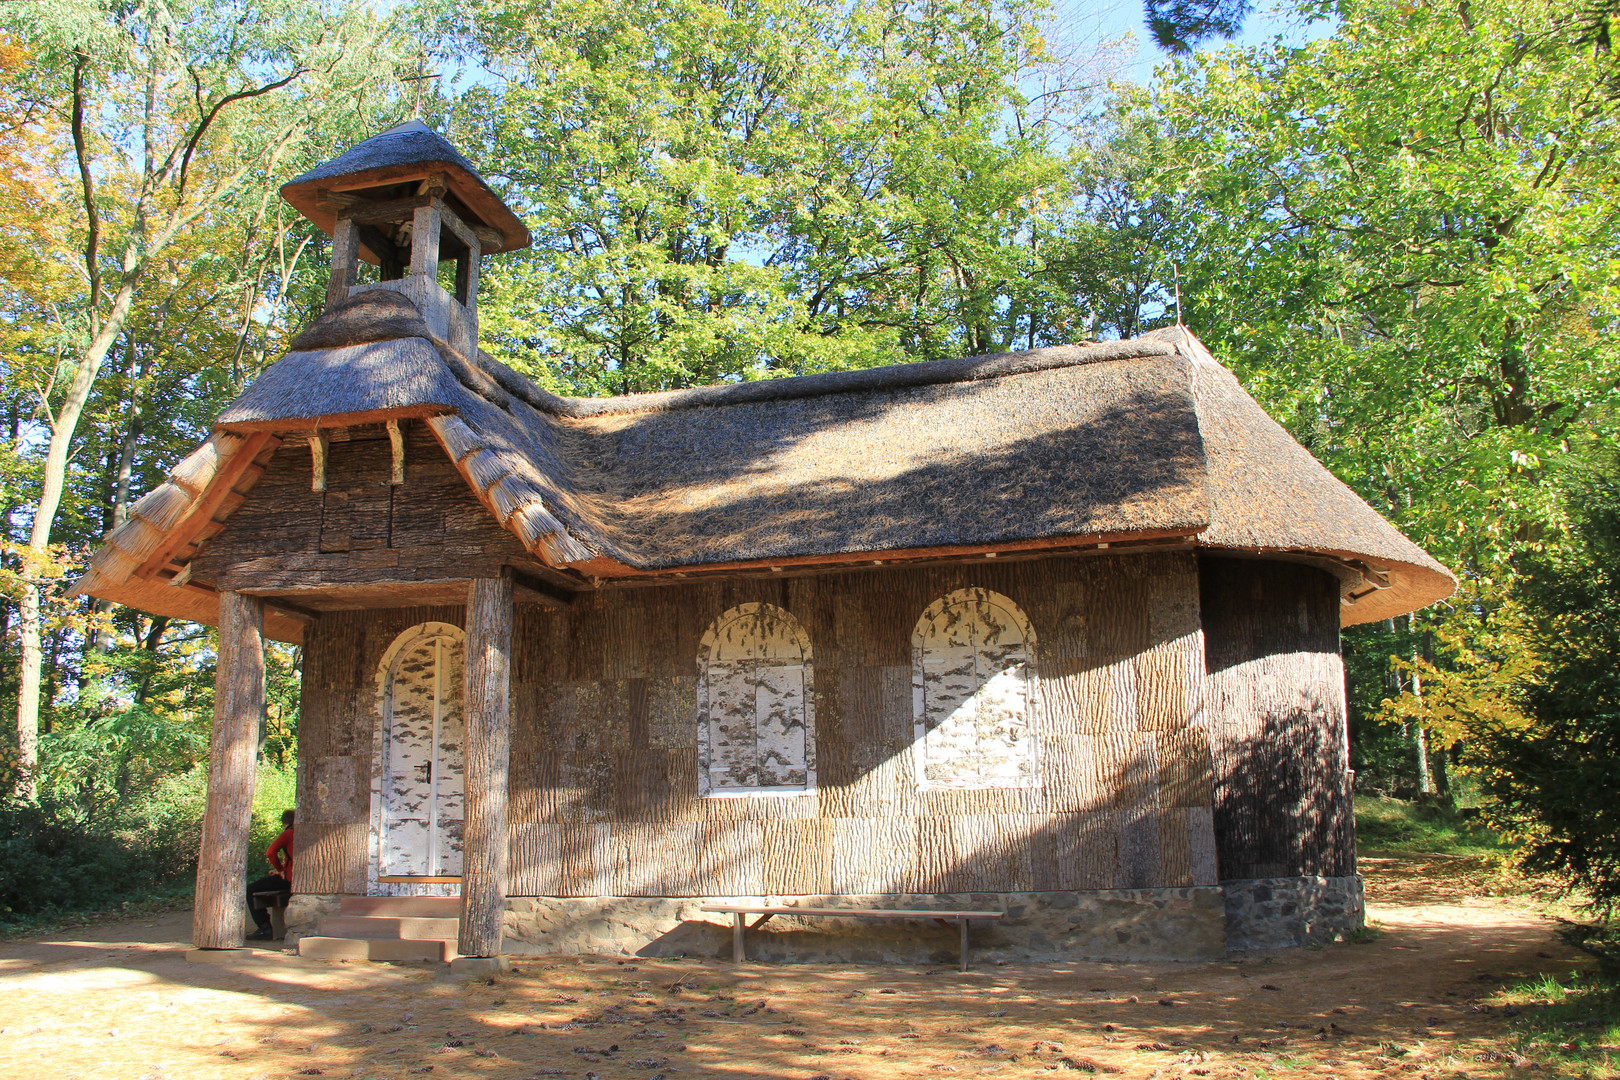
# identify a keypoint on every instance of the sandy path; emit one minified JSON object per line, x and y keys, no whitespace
{"x":120,"y":1001}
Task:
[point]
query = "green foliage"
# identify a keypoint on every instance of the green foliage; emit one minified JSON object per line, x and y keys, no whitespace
{"x":1553,"y":777}
{"x":1570,"y":1025}
{"x":1402,"y":236}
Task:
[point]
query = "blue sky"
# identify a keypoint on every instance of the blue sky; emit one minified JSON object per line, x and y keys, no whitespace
{"x":1090,"y":21}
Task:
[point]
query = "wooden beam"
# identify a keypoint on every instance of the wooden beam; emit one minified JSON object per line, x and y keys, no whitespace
{"x":196,"y":519}
{"x":292,"y":611}
{"x":488,"y":704}
{"x":318,"y":444}
{"x":529,"y":588}
{"x":238,"y":709}
{"x":390,"y":256}
{"x":425,"y":239}
{"x":396,"y":446}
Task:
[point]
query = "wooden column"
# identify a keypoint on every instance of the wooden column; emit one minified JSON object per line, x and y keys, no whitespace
{"x":425,"y":241}
{"x":238,"y":710}
{"x":489,"y":742}
{"x":345,"y":261}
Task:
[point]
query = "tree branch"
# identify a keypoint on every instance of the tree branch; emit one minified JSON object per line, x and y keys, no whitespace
{"x":213,"y":114}
{"x":87,"y":183}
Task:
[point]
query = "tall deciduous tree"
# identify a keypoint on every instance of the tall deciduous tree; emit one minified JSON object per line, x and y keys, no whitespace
{"x":1403,"y":236}
{"x":728,"y":190}
{"x":170,"y":113}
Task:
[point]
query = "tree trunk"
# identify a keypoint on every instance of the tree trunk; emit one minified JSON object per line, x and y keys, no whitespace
{"x":489,"y":739}
{"x":238,"y":705}
{"x":63,"y":426}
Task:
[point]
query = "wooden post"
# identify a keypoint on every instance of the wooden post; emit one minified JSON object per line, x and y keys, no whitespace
{"x":425,"y":241}
{"x":467,"y":277}
{"x":345,"y":261}
{"x":238,"y":710}
{"x":489,"y":740}
{"x":396,"y":446}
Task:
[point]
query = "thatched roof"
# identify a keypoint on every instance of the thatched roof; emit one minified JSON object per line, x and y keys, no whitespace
{"x":405,"y":152}
{"x":1104,"y":443}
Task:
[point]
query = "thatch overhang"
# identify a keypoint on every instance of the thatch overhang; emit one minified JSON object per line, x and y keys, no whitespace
{"x":403,"y":153}
{"x":1067,"y":448}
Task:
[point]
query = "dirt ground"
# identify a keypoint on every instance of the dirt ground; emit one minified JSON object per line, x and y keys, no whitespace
{"x":120,"y":1001}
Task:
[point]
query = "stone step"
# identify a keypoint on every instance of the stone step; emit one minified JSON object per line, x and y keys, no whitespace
{"x":348,"y":948}
{"x":426,"y":907}
{"x":389,"y":926}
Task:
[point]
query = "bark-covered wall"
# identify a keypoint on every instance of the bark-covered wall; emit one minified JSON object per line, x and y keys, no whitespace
{"x":1275,"y":699}
{"x":362,"y":530}
{"x":604,"y":781}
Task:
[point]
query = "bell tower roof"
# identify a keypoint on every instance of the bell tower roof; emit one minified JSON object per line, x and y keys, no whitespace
{"x":391,"y":164}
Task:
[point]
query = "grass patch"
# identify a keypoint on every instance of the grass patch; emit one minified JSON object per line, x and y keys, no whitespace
{"x":1570,"y":1026}
{"x":1432,"y":828}
{"x":1365,"y":935}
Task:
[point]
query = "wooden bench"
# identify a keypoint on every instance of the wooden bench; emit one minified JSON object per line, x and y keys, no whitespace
{"x":740,"y":926}
{"x":274,"y":901}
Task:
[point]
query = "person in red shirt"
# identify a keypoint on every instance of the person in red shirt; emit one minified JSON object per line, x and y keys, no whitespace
{"x":280,"y":855}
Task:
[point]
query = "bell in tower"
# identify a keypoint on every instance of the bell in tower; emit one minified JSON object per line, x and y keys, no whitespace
{"x":406,"y":201}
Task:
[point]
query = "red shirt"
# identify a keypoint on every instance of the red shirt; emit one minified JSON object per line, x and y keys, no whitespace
{"x":283,"y":846}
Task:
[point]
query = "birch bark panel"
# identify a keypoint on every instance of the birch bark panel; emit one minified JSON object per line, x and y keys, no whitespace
{"x":408,"y":754}
{"x":975,"y":723}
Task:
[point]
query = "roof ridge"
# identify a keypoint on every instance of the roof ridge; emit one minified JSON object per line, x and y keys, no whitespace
{"x":860,"y":380}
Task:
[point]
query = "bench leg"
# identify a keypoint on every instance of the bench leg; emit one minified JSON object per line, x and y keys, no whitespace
{"x":963,"y":923}
{"x":278,"y":922}
{"x":739,"y":927}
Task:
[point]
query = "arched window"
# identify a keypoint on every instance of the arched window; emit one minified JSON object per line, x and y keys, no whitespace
{"x":973,"y":694}
{"x":756,"y":722}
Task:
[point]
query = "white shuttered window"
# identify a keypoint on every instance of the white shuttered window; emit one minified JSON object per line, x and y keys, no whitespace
{"x":756,"y":722}
{"x":973,"y":694}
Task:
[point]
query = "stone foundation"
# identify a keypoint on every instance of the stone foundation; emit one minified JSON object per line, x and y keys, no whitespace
{"x":1118,"y":924}
{"x":1125,"y":924}
{"x":304,"y":911}
{"x":1281,"y":913}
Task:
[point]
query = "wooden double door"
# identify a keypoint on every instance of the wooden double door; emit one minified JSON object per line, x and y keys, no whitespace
{"x":422,"y":768}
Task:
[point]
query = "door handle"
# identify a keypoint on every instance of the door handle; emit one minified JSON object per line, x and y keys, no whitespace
{"x":424,"y":773}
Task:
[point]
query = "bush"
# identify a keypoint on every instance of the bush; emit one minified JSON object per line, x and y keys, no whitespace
{"x":1553,"y":781}
{"x":48,"y":862}
{"x":53,"y":860}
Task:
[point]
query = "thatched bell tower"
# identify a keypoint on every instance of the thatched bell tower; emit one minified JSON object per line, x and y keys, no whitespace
{"x":407,"y":202}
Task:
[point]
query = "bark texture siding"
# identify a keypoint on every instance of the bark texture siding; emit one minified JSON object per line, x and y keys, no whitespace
{"x":362,"y":529}
{"x":605,"y":768}
{"x":339,"y":729}
{"x":1276,"y":702}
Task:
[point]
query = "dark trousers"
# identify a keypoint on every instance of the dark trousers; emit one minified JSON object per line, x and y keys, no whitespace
{"x":268,"y":883}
